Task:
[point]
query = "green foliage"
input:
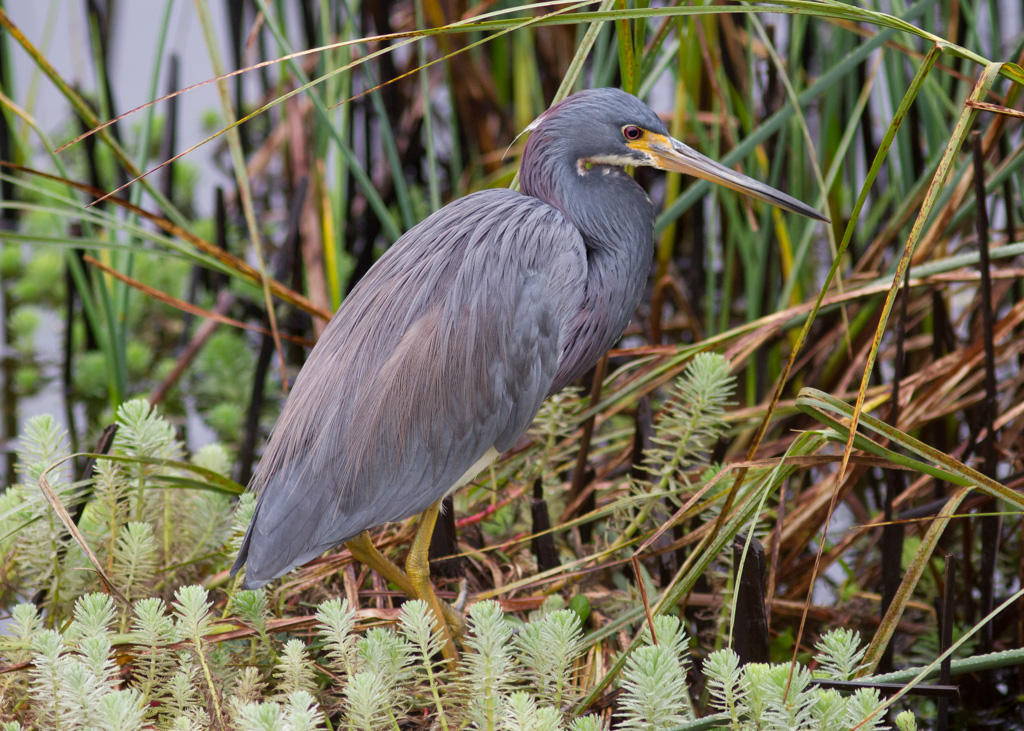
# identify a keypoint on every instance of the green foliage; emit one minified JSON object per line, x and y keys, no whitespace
{"x":417,"y":626}
{"x":370,"y":680}
{"x":253,"y":608}
{"x":384,"y":675}
{"x":772,"y":697}
{"x":154,"y":632}
{"x":47,"y":679}
{"x":21,"y":325}
{"x":149,"y":539}
{"x":34,"y":539}
{"x":905,"y":721}
{"x":74,"y":677}
{"x":335,"y":622}
{"x":135,"y":559}
{"x":11,"y":266}
{"x":226,"y":420}
{"x":520,"y":711}
{"x":178,"y":680}
{"x":654,"y":691}
{"x":28,"y":379}
{"x":780,"y":697}
{"x":489,"y":664}
{"x":547,"y":648}
{"x":653,"y":682}
{"x":41,"y":280}
{"x":726,"y":683}
{"x":298,"y":712}
{"x":145,"y":434}
{"x":138,"y":359}
{"x":557,"y":419}
{"x":840,"y":653}
{"x":90,"y":376}
{"x":693,"y":419}
{"x":164,"y":274}
{"x":213,"y":457}
{"x":294,"y":672}
{"x":223,"y":381}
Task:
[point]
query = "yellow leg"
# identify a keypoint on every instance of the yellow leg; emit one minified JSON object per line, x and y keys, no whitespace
{"x":415,"y":583}
{"x":417,"y":568}
{"x":363,"y":551}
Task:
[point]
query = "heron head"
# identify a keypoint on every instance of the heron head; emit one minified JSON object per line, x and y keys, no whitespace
{"x":613,"y":127}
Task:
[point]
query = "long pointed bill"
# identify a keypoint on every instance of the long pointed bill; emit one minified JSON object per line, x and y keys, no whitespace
{"x":671,"y":154}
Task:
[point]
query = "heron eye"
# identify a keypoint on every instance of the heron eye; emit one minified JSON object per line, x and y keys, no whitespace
{"x":632,"y":133}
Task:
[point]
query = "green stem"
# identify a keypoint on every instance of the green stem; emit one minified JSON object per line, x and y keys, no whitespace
{"x":197,"y":639}
{"x":435,"y":692}
{"x":662,"y":487}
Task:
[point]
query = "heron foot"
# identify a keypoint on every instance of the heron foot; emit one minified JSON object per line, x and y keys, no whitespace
{"x":447,"y":618}
{"x":417,"y":568}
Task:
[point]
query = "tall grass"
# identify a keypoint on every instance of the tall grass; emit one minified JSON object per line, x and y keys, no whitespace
{"x":875,"y":321}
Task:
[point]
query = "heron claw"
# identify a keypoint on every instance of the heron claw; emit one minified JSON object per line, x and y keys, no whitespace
{"x":460,"y":601}
{"x":415,"y":580}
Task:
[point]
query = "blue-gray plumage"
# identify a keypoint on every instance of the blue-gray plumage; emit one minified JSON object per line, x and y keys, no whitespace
{"x":441,"y":356}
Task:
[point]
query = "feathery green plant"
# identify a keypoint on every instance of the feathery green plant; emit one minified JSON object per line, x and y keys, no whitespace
{"x":153,"y":633}
{"x":772,"y":698}
{"x":555,"y":423}
{"x":47,"y":679}
{"x":586,"y":723}
{"x":388,"y":654}
{"x":148,"y":538}
{"x":74,"y":681}
{"x":653,"y":683}
{"x":192,"y":617}
{"x":488,"y":664}
{"x":547,"y":648}
{"x":654,"y":691}
{"x":335,"y":622}
{"x":507,"y":679}
{"x":135,"y":560}
{"x":32,"y":538}
{"x":693,"y":420}
{"x":253,"y":609}
{"x":74,"y":678}
{"x":248,"y":688}
{"x":840,"y":653}
{"x":417,"y":626}
{"x":906,"y":721}
{"x":294,"y":671}
{"x":298,"y":712}
{"x":520,"y":711}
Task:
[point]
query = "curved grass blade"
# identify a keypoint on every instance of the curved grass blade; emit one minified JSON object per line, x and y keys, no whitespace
{"x":233,"y":264}
{"x":242,"y":180}
{"x":821,"y":406}
{"x":984,"y":83}
{"x":189,"y":307}
{"x":69,"y":524}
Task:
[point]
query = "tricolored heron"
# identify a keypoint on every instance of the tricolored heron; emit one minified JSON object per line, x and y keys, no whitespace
{"x":440,"y":357}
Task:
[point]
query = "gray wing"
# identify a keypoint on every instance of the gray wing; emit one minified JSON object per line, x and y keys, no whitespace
{"x":445,"y":349}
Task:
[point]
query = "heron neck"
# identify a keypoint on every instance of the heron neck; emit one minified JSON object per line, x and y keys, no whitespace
{"x":608,"y":207}
{"x":616,"y":219}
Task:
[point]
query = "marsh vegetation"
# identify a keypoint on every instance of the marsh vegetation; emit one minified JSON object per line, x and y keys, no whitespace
{"x":721,"y":423}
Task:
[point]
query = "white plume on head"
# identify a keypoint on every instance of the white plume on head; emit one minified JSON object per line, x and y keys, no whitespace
{"x":528,"y":128}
